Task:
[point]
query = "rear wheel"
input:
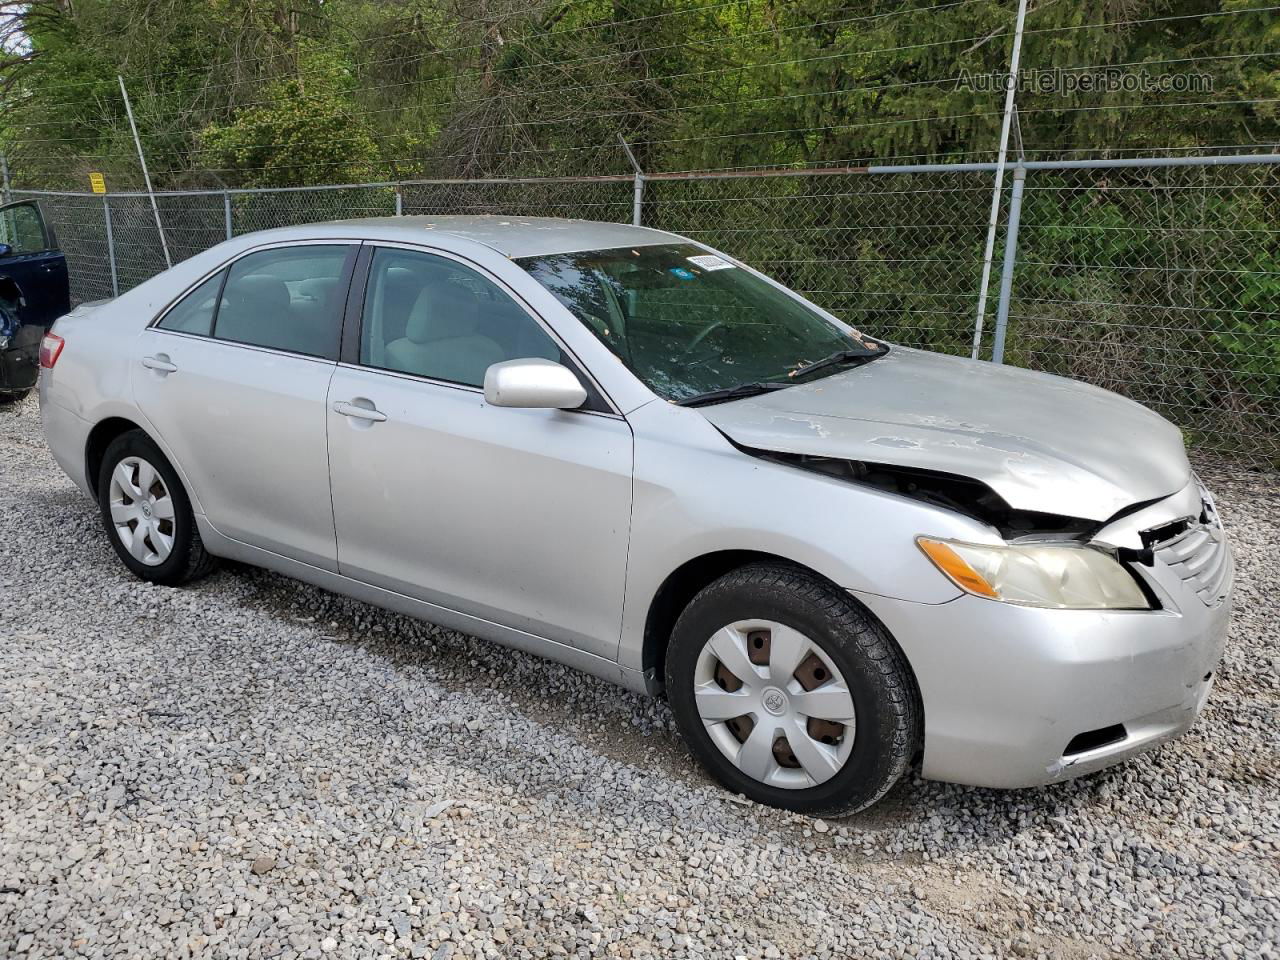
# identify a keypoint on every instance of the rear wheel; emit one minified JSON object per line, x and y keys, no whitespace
{"x":147,"y":513}
{"x":791,"y":693}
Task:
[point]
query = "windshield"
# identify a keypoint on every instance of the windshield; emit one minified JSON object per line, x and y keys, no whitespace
{"x":689,"y":323}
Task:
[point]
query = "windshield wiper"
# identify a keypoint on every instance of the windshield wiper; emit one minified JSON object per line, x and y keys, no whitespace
{"x":731,"y":393}
{"x":840,"y":356}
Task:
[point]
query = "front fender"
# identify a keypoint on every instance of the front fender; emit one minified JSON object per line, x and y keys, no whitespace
{"x":696,"y":494}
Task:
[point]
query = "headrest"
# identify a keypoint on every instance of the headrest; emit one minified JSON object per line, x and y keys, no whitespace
{"x":261,"y":293}
{"x":318,"y":288}
{"x":399,"y":275}
{"x":442,"y":311}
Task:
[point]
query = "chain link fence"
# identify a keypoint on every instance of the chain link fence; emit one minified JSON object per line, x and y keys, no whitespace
{"x":1159,"y":282}
{"x":897,"y":255}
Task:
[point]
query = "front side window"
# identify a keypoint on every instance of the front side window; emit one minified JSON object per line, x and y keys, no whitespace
{"x":22,"y":228}
{"x":290,"y":298}
{"x":691,"y":324}
{"x":432,"y":317}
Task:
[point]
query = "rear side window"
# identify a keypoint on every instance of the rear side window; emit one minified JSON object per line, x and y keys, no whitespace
{"x":194,"y":312}
{"x":286,"y":299}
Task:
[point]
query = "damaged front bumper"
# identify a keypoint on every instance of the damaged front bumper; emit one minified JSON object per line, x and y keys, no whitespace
{"x":1019,"y":696}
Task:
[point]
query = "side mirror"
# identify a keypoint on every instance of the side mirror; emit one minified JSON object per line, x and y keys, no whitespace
{"x":5,"y":250}
{"x":532,"y":382}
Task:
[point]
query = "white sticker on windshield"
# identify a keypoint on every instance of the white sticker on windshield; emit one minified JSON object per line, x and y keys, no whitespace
{"x":709,"y":261}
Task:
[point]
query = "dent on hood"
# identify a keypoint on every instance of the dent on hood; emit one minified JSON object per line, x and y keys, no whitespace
{"x":960,"y":494}
{"x":1043,"y":444}
{"x":1024,"y":476}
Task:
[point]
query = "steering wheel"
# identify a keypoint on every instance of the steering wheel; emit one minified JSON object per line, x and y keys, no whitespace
{"x":702,"y":335}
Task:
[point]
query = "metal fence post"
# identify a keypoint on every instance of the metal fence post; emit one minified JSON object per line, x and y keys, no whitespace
{"x":1010,"y":261}
{"x":637,"y":195}
{"x":111,"y":247}
{"x":146,"y":174}
{"x":637,"y":200}
{"x":1006,"y":124}
{"x":399,"y":203}
{"x":226,"y":213}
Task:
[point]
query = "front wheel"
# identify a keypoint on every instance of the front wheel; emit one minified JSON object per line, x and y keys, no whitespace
{"x":791,"y":693}
{"x":147,"y":513}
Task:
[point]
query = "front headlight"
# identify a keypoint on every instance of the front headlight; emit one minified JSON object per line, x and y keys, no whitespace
{"x":1061,"y":576}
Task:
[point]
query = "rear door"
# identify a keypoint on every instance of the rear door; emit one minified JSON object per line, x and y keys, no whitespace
{"x":34,"y":263}
{"x":233,"y":377}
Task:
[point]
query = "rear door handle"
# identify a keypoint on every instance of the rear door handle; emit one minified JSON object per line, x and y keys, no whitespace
{"x":349,"y":408}
{"x":160,"y":364}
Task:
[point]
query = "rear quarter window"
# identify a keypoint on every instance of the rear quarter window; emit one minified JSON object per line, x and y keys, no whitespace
{"x":194,"y":312}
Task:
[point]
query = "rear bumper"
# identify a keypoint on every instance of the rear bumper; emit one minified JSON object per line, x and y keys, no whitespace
{"x":1007,"y":689}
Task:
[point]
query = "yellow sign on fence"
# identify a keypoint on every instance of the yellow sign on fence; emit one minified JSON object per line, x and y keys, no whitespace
{"x":98,"y":183}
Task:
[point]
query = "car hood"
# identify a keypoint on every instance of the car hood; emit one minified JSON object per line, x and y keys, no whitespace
{"x":1043,"y":443}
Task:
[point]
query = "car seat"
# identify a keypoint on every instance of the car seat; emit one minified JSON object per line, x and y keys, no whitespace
{"x":442,"y":338}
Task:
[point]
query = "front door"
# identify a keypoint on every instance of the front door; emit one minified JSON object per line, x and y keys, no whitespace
{"x":520,"y":517}
{"x":34,"y":263}
{"x":233,"y":380}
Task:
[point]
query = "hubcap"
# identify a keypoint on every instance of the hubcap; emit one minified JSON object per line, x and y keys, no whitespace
{"x":141,"y":511}
{"x":775,"y":704}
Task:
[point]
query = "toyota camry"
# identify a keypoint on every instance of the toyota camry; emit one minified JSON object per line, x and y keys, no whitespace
{"x":623,"y":450}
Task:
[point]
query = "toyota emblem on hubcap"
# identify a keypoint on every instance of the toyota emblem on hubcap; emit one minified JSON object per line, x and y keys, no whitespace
{"x":775,"y":701}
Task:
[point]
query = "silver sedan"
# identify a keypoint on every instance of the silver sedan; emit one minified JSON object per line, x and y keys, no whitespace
{"x":623,"y":450}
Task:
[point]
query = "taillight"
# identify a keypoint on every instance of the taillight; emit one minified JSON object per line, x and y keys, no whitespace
{"x":50,"y":349}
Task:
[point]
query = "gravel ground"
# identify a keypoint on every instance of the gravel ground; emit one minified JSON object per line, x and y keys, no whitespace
{"x":252,"y":767}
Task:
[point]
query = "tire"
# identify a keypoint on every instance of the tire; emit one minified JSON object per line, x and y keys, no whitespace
{"x":169,"y":550}
{"x":13,"y":396}
{"x":868,"y":755}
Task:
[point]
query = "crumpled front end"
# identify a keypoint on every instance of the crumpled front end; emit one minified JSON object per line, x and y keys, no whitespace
{"x":1042,"y":444}
{"x":1018,"y":696}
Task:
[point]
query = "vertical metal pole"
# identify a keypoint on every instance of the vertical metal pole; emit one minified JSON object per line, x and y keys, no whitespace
{"x":226,"y":214}
{"x":111,"y":247}
{"x":637,"y":194}
{"x":637,"y":200}
{"x":1010,"y":261}
{"x":155,"y":208}
{"x":1012,"y":85}
{"x":4,"y":177}
{"x":399,"y":203}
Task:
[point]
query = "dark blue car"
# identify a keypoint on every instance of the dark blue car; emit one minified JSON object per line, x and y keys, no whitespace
{"x":34,"y":292}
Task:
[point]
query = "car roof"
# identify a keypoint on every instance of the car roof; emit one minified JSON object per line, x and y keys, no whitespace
{"x":510,"y":235}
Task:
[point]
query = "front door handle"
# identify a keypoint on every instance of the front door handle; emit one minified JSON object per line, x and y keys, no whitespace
{"x":350,"y":408}
{"x":160,"y":364}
